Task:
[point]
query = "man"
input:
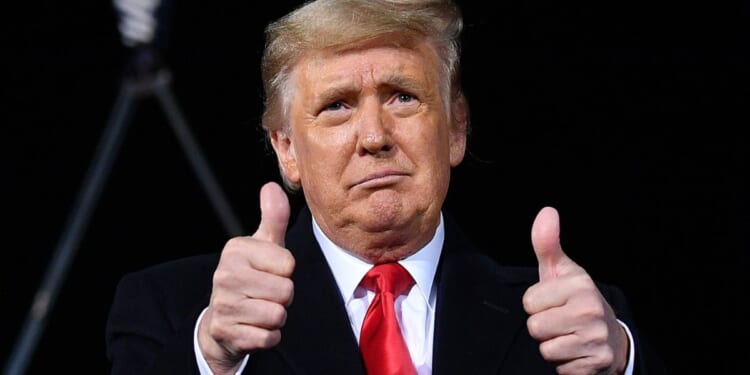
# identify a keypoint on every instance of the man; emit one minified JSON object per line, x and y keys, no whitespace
{"x":365,"y":112}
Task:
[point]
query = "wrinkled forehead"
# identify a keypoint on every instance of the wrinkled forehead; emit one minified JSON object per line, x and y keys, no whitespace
{"x":334,"y":74}
{"x":391,"y":52}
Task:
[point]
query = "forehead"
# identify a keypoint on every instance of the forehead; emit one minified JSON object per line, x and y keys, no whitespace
{"x":368,"y":63}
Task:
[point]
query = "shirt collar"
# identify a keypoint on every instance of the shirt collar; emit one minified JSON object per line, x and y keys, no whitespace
{"x":348,"y":270}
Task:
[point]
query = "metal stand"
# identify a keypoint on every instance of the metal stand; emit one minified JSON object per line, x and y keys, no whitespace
{"x":130,"y":90}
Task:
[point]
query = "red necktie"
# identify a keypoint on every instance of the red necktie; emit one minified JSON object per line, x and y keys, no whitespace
{"x":383,"y":348}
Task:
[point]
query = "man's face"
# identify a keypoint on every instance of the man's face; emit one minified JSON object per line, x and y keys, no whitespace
{"x":371,"y":143}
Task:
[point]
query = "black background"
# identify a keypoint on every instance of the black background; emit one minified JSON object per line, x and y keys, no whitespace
{"x":629,"y":117}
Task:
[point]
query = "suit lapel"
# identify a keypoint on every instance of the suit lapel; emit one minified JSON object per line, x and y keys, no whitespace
{"x":478,"y":313}
{"x":317,"y":338}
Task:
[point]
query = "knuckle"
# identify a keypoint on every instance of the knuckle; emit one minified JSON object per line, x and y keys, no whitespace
{"x":221,"y":307}
{"x":528,"y":302}
{"x":600,"y":333}
{"x":233,"y":244}
{"x":286,"y":264}
{"x":594,"y":309}
{"x":534,"y":326}
{"x":546,"y":349}
{"x":218,"y":331}
{"x":286,"y":290}
{"x":269,"y":338}
{"x":605,"y":358}
{"x":277,"y":315}
{"x":597,"y":310}
{"x":221,"y":276}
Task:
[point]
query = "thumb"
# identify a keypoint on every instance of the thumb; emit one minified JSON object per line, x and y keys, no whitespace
{"x":274,"y":214}
{"x":545,"y":238}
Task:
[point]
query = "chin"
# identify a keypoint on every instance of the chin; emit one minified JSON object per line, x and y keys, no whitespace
{"x":385,"y":210}
{"x":378,"y":256}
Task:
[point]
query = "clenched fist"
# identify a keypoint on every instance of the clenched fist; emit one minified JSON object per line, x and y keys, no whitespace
{"x":576,"y":327}
{"x":252,"y":288}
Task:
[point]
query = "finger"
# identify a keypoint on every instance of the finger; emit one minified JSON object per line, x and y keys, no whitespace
{"x":562,"y":348}
{"x":545,"y":239}
{"x":242,"y":338}
{"x":577,"y":354}
{"x":575,"y":290}
{"x":274,"y":214}
{"x":268,"y":286}
{"x":263,"y":314}
{"x":249,"y":338}
{"x":550,"y":323}
{"x":583,"y":365}
{"x":260,"y":254}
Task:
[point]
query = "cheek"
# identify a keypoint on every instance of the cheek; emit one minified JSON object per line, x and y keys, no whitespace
{"x":428,"y":144}
{"x":324,"y":152}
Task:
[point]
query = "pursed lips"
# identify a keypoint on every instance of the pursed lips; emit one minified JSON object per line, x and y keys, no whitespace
{"x":379,"y":179}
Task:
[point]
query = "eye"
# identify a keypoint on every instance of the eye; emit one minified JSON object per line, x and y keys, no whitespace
{"x":334,"y":113}
{"x":334,"y":106}
{"x":404,"y":98}
{"x":404,"y":104}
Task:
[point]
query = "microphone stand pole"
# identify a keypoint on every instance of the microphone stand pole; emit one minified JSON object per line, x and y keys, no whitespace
{"x":157,"y":84}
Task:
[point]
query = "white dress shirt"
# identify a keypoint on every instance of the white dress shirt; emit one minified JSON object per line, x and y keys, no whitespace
{"x":415,"y":311}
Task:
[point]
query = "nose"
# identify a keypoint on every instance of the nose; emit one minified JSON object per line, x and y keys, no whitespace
{"x":374,"y":131}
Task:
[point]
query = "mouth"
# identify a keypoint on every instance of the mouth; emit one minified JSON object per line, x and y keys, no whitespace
{"x":380,"y":179}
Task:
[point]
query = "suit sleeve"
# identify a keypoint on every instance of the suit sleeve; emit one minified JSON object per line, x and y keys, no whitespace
{"x":150,"y":324}
{"x":647,"y":360}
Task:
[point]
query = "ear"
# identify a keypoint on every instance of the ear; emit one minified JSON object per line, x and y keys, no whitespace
{"x":459,"y":129}
{"x":284,"y":148}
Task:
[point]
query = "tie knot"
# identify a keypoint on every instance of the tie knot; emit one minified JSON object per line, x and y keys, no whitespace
{"x":388,"y":277}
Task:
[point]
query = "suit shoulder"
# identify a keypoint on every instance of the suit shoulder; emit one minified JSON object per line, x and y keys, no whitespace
{"x":176,"y":282}
{"x":481,"y":265}
{"x":157,"y":307}
{"x":175,"y":270}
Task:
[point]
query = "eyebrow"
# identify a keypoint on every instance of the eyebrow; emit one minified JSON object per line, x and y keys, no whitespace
{"x":334,"y":93}
{"x":390,"y":80}
{"x":404,"y":82}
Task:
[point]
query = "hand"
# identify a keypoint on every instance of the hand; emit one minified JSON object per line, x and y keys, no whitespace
{"x":251,"y":289}
{"x":576,"y":327}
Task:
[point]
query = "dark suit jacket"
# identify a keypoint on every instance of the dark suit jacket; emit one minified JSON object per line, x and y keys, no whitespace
{"x":480,"y":324}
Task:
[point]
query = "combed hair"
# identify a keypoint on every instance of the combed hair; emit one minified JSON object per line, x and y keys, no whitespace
{"x":319,"y":24}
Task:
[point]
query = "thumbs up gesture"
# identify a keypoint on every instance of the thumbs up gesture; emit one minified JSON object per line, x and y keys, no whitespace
{"x":251,"y":289}
{"x":576,"y":327}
